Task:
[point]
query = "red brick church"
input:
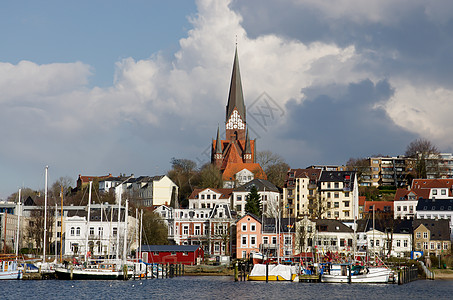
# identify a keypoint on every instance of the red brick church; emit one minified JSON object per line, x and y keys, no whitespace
{"x":235,"y":156}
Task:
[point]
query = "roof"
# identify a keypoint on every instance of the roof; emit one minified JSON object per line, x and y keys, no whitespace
{"x":362,"y":200}
{"x":235,"y":98}
{"x":250,"y":215}
{"x":337,"y":176}
{"x":332,"y":225}
{"x":385,"y":206}
{"x":434,"y":205}
{"x":260,"y":184}
{"x":440,"y":228}
{"x":233,"y":168}
{"x":169,"y":248}
{"x":425,"y":185}
{"x":224,"y":193}
{"x":86,"y":179}
{"x":398,"y":225}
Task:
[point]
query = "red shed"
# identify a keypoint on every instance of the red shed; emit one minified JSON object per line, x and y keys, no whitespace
{"x":173,"y":254}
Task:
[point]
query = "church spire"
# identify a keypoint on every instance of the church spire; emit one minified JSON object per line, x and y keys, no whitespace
{"x":248,"y":149}
{"x":236,"y":98}
{"x":218,"y":147}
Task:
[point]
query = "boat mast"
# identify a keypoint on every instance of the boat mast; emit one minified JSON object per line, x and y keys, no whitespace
{"x":88,"y":223}
{"x":61,"y":226}
{"x":117,"y":252}
{"x":125,"y":231}
{"x":355,"y":202}
{"x":141,"y":229}
{"x":56,"y":246}
{"x":45,"y":218}
{"x":18,"y":226}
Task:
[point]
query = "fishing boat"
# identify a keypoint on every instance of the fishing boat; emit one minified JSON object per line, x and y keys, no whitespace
{"x":9,"y":269}
{"x":346,"y":273}
{"x":274,"y":273}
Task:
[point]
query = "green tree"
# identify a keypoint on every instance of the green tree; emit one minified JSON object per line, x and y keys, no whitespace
{"x":253,"y":204}
{"x":210,"y":176}
{"x":155,"y":231}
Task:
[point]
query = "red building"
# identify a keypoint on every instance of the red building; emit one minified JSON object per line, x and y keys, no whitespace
{"x":172,"y":254}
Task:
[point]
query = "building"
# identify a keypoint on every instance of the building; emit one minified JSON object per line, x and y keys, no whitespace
{"x":209,"y":197}
{"x":148,"y":191}
{"x":235,"y":155}
{"x":8,"y":225}
{"x":432,"y":236}
{"x":248,"y":236}
{"x":208,"y":227}
{"x":338,"y":192}
{"x":300,"y":192}
{"x":436,"y":209}
{"x":385,"y":171}
{"x":83,"y":181}
{"x":269,"y":193}
{"x":172,"y":254}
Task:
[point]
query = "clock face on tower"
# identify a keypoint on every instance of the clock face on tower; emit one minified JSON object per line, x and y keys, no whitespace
{"x":235,"y":121}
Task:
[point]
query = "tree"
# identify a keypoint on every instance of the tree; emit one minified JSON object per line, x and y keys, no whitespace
{"x":24,"y":194}
{"x":185,"y":175}
{"x":35,"y":227}
{"x":62,"y":182}
{"x":360,"y":165}
{"x":426,"y":157}
{"x":155,"y":231}
{"x":273,"y":165}
{"x":253,"y":204}
{"x":210,"y":176}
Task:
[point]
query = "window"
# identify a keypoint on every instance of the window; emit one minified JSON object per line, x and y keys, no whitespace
{"x":377,"y":243}
{"x":208,"y":196}
{"x":244,"y":227}
{"x":115,"y":231}
{"x":252,"y":240}
{"x":405,"y":243}
{"x":202,"y":196}
{"x":328,"y":194}
{"x":337,"y":214}
{"x":72,"y":231}
{"x":253,"y":227}
{"x":244,"y":254}
{"x":336,"y":185}
{"x":445,"y":246}
{"x":244,"y":240}
{"x":173,"y":253}
{"x":100,"y":231}
{"x":434,"y":192}
{"x":346,"y":203}
{"x":398,"y":243}
{"x":58,"y":233}
{"x":419,"y":235}
{"x":197,"y":230}
{"x":274,"y":240}
{"x":443,"y":192}
{"x":91,"y":230}
{"x":432,"y":245}
{"x":287,"y":240}
{"x":265,"y":240}
{"x":214,"y":196}
{"x":425,"y":245}
{"x":346,"y":194}
{"x":419,"y":245}
{"x":58,"y":223}
{"x":346,"y":213}
{"x":336,"y":195}
{"x":328,"y":185}
{"x":78,"y":231}
{"x":239,"y":198}
{"x":425,"y":235}
{"x":185,"y":230}
{"x":336,"y":204}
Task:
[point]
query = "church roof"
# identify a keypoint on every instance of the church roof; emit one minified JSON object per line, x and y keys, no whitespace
{"x":233,"y":168}
{"x":236,"y":98}
{"x":218,"y":147}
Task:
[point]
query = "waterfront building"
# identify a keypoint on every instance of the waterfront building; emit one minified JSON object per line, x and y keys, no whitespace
{"x":432,"y":236}
{"x":269,"y":193}
{"x":248,"y":236}
{"x":172,"y":254}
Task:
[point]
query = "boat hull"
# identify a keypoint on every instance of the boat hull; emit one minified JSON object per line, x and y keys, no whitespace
{"x":11,"y":275}
{"x":9,"y":270}
{"x":378,"y":275}
{"x":83,"y":274}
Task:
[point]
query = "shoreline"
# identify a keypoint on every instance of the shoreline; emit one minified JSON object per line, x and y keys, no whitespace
{"x":442,"y":274}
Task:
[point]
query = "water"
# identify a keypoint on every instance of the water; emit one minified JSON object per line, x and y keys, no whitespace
{"x":219,"y":287}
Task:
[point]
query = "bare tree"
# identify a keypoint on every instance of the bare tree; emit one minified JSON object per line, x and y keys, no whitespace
{"x":426,"y":155}
{"x":274,"y":166}
{"x":359,"y":165}
{"x":210,"y":176}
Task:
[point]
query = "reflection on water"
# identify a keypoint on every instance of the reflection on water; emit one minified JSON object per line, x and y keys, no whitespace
{"x":204,"y":287}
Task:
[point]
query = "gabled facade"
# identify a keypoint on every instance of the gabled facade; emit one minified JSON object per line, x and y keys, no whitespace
{"x":248,"y":236}
{"x":432,"y":237}
{"x":269,"y":193}
{"x":209,"y":197}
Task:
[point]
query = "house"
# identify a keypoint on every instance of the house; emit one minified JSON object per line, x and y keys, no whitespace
{"x":388,"y":237}
{"x":440,"y":209}
{"x":379,"y":207}
{"x":172,"y":254}
{"x":405,"y":202}
{"x":209,"y":197}
{"x":248,"y":236}
{"x":83,"y":181}
{"x":148,"y":191}
{"x":269,"y":193}
{"x":208,"y":227}
{"x":432,"y":236}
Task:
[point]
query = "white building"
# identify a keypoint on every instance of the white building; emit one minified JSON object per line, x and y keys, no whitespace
{"x":269,"y":193}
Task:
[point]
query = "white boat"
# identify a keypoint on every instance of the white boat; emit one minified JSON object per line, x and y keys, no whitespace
{"x":9,"y":270}
{"x":344,"y":273}
{"x":101,"y":271}
{"x":274,"y":273}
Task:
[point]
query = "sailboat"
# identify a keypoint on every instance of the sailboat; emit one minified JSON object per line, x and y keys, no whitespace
{"x":110,"y":269}
{"x":352,"y":273}
{"x":9,"y":268}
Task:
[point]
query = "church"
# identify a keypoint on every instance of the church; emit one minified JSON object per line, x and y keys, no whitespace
{"x":235,"y":156}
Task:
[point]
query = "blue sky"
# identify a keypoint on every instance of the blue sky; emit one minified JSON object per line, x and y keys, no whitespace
{"x":98,"y":87}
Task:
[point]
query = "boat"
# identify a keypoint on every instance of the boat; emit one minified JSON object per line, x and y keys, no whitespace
{"x":9,"y":269}
{"x":94,"y":271}
{"x":347,"y":273}
{"x":257,"y":257}
{"x":275,"y":273}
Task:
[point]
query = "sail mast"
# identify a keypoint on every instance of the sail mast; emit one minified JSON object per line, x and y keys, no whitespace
{"x":88,"y":223}
{"x":18,"y":226}
{"x":45,"y":218}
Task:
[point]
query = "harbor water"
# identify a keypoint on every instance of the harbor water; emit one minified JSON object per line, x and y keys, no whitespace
{"x":219,"y":287}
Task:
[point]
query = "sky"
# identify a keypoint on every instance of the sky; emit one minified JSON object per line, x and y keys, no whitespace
{"x":99,"y":87}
